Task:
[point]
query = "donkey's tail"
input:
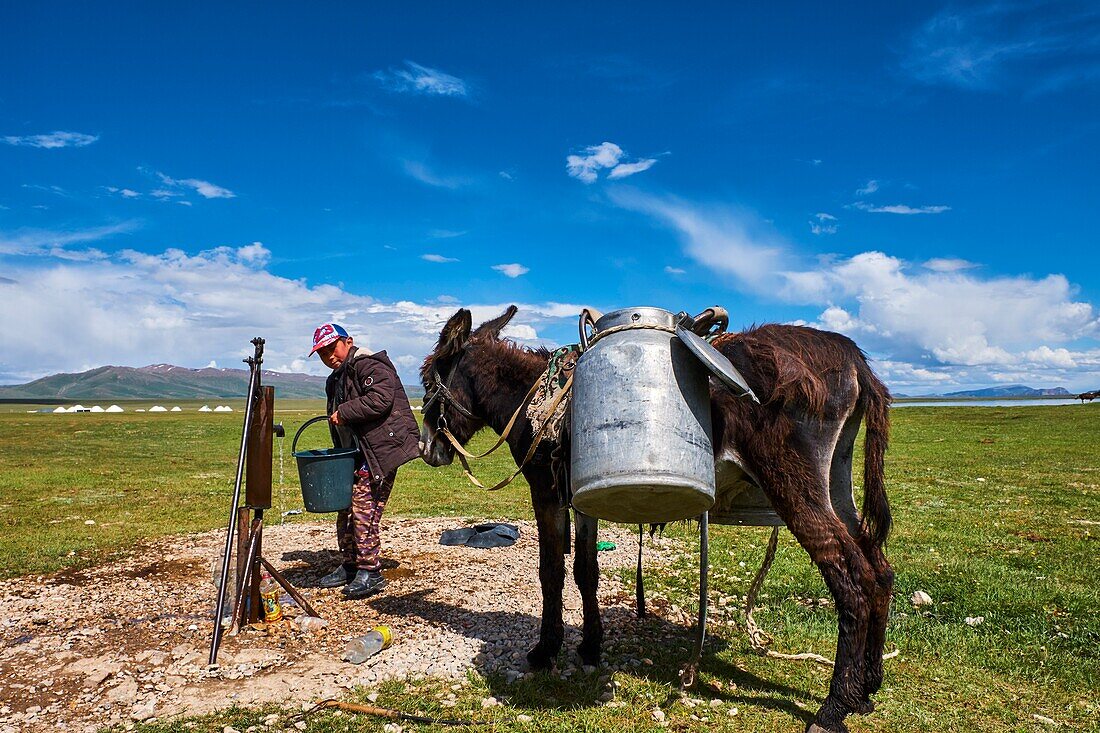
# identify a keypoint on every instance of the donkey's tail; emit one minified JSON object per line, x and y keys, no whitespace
{"x":876,"y":507}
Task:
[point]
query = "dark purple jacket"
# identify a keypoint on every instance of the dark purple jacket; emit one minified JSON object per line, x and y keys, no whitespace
{"x":376,"y":409}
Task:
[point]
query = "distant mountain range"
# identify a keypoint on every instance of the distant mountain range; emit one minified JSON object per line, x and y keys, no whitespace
{"x":1011,"y":390}
{"x":159,"y":381}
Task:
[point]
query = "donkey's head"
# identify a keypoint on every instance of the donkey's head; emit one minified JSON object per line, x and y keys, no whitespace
{"x":451,"y":399}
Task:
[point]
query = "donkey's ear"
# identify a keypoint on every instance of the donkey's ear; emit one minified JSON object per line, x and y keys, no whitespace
{"x":492,"y":328}
{"x":455,"y":334}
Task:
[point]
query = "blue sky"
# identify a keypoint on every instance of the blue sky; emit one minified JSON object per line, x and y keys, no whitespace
{"x":175,"y":179}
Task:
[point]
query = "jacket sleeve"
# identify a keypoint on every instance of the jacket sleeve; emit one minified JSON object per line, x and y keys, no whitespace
{"x":377,"y":385}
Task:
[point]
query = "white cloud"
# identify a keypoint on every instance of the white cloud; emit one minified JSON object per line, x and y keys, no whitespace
{"x":900,"y":208}
{"x":728,"y":241}
{"x":45,"y":242}
{"x":513,"y":269}
{"x":421,"y":172}
{"x":437,"y":258}
{"x":947,"y":320}
{"x":948,"y":264}
{"x":606,"y":155}
{"x":674,"y":270}
{"x":204,"y":188}
{"x":190,"y":309}
{"x":417,"y":79}
{"x":1043,"y":47}
{"x":868,"y":188}
{"x":125,"y":193}
{"x":584,"y":167}
{"x":56,"y":139}
{"x":824,"y":224}
{"x":445,"y":233}
{"x":622,"y":170}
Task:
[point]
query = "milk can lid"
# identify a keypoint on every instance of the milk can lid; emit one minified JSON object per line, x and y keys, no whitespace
{"x":716,"y":363}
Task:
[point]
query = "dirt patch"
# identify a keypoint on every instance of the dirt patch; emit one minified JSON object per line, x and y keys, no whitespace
{"x":129,"y":640}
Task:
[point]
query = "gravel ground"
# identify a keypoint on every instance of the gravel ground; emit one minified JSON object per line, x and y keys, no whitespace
{"x":129,"y":640}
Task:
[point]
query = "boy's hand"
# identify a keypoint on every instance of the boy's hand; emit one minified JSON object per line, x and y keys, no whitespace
{"x":334,"y":418}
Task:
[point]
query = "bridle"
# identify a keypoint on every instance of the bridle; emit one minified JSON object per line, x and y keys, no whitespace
{"x":439,"y":391}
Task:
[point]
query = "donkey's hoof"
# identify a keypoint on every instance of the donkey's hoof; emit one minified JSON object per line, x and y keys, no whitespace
{"x":589,"y":656}
{"x":539,"y":659}
{"x":815,"y":728}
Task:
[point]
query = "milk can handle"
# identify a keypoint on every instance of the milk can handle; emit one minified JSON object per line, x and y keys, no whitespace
{"x":711,"y":322}
{"x":306,"y":424}
{"x":589,"y":316}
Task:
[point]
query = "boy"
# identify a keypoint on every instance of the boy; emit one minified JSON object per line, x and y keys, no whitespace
{"x":368,"y":409}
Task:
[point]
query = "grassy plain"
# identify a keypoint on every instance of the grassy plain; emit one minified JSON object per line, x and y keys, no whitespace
{"x":997,"y":514}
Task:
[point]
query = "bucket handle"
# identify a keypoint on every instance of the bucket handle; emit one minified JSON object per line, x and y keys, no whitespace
{"x":306,"y":424}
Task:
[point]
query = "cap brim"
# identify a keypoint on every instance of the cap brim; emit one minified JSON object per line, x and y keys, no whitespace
{"x":322,"y":345}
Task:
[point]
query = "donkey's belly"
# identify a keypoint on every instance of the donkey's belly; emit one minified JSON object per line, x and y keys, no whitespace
{"x":738,"y":500}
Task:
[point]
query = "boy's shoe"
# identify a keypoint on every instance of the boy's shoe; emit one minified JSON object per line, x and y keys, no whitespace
{"x":366,"y":583}
{"x":342,"y":575}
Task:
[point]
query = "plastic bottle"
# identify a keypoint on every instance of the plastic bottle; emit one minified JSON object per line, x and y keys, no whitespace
{"x":362,"y":648}
{"x":310,"y":624}
{"x":269,"y":596}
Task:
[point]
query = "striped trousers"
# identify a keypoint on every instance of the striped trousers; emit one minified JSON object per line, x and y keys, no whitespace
{"x":358,"y":529}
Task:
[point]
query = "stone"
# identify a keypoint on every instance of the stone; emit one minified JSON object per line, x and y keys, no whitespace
{"x":920,"y":598}
{"x":975,"y":620}
{"x":658,"y":715}
{"x":524,"y":718}
{"x":143,"y":710}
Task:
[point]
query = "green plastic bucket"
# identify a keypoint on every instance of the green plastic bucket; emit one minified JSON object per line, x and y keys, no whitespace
{"x":326,"y":475}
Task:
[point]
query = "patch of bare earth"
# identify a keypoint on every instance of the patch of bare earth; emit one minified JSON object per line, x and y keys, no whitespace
{"x":129,"y":640}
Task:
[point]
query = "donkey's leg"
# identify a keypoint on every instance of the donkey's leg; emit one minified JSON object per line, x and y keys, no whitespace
{"x":841,"y":563}
{"x":881,"y":583}
{"x":586,"y":572}
{"x":805,"y":508}
{"x":882,"y":591}
{"x":549,"y":516}
{"x":840,"y":474}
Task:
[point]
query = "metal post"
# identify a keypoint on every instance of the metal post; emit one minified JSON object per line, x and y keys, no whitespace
{"x":254,"y":363}
{"x":688,"y":673}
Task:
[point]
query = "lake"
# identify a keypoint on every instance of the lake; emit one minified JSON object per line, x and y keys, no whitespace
{"x":990,"y":403}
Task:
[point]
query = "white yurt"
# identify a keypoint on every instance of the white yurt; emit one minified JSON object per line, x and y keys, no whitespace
{"x":78,"y":408}
{"x":176,"y":409}
{"x":157,"y":408}
{"x":59,"y":409}
{"x":205,"y":408}
{"x":96,"y":408}
{"x":223,"y":408}
{"x":140,"y":409}
{"x":114,"y":408}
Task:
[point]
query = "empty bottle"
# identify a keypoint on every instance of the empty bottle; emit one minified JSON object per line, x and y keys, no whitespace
{"x":311,"y":623}
{"x":362,"y":648}
{"x":269,"y":596}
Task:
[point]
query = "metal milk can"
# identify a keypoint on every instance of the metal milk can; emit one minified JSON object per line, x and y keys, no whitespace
{"x":641,"y":427}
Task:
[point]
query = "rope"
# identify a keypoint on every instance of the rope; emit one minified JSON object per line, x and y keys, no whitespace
{"x":530,"y":451}
{"x":503,"y":435}
{"x":628,"y":327}
{"x":760,"y":639}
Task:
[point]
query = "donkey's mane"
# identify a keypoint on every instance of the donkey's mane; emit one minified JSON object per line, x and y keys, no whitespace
{"x":499,"y":349}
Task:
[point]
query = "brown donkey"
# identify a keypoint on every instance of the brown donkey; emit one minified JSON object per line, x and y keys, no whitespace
{"x":815,"y":388}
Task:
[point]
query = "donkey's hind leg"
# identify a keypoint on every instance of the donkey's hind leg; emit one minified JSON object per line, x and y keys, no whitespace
{"x":552,"y":521}
{"x":842,"y":564}
{"x":882,"y":592}
{"x":586,"y":572}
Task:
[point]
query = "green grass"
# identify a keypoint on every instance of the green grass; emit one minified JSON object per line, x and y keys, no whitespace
{"x":995,"y":512}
